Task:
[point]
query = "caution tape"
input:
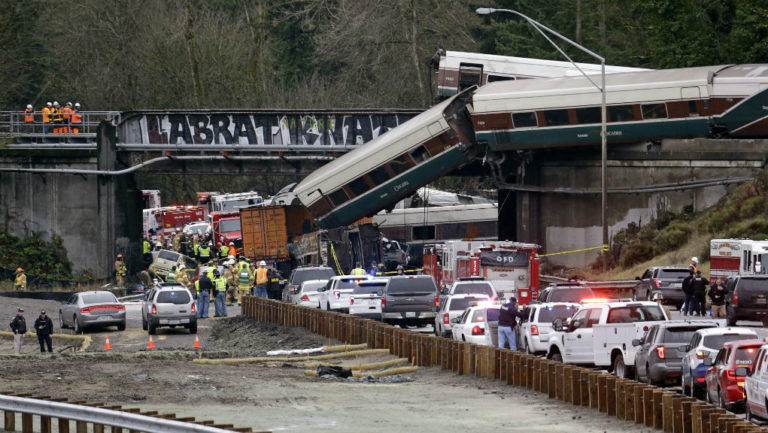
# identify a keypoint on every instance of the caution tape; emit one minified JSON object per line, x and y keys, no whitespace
{"x":394,"y":272}
{"x":602,"y":248}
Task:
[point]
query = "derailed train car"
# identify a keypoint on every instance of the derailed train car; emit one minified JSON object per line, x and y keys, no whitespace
{"x":722,"y":101}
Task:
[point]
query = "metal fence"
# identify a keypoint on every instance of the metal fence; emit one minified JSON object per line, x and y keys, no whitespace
{"x":13,"y":125}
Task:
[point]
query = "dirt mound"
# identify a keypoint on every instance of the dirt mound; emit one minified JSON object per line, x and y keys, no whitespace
{"x":246,"y":336}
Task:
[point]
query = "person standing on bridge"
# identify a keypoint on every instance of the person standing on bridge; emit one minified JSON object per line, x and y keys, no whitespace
{"x":262,"y":278}
{"x":20,"y":283}
{"x":508,"y":315}
{"x":44,"y":330}
{"x":120,"y":271}
{"x":77,"y":119}
{"x":29,"y":118}
{"x":19,"y":329}
{"x":47,"y":117}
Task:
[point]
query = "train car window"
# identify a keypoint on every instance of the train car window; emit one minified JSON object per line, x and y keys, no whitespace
{"x":524,"y":120}
{"x":469,"y":75}
{"x":358,"y":186}
{"x":621,"y":113}
{"x":705,"y":104}
{"x":492,"y":78}
{"x":556,"y":117}
{"x":420,"y":154}
{"x":692,"y":107}
{"x":338,"y":197}
{"x":654,"y":111}
{"x":400,"y":164}
{"x":589,"y":115}
{"x":379,"y":175}
{"x":423,"y":232}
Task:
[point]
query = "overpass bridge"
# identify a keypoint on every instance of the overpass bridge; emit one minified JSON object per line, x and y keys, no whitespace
{"x":84,"y":188}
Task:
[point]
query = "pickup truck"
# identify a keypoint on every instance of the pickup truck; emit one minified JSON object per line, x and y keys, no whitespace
{"x":601,"y":334}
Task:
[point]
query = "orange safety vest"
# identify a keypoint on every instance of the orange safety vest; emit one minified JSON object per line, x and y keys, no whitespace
{"x":67,"y":111}
{"x":261,"y":276}
{"x":46,"y":114}
{"x":76,"y":116}
{"x":29,"y":115}
{"x":56,"y":115}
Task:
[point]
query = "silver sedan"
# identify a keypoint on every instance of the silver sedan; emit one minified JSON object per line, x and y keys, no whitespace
{"x":92,"y":309}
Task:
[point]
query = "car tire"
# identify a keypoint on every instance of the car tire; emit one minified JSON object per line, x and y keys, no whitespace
{"x":648,"y":379}
{"x":619,"y":368}
{"x":121,"y":326}
{"x":76,"y":326}
{"x":720,"y":399}
{"x":557,"y":357}
{"x":193,"y":328}
{"x":61,"y":321}
{"x":152,"y":328}
{"x":143,"y":323}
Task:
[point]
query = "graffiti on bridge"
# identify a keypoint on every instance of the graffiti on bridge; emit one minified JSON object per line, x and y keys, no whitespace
{"x":268,"y":129}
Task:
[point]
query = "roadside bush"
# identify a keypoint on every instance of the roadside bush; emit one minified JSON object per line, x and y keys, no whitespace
{"x":752,"y":207}
{"x":36,"y":256}
{"x":637,"y":252}
{"x":673,"y":236}
{"x":749,"y":229}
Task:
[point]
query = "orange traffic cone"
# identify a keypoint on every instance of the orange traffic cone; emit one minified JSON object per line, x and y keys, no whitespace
{"x":151,"y":344}
{"x":197,"y":342}
{"x":107,"y":346}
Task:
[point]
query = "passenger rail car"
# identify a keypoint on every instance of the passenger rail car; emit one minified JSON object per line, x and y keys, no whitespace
{"x":457,"y":70}
{"x":392,"y":166}
{"x":641,"y":106}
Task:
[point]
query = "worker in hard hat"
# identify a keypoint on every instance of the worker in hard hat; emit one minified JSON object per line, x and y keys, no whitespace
{"x":182,"y":276}
{"x":29,"y":118}
{"x":220,"y":301}
{"x":57,"y":118}
{"x":77,"y":119}
{"x":67,"y":112}
{"x":47,"y":117}
{"x":120,"y":271}
{"x":694,"y":264}
{"x":244,"y":282}
{"x":20,"y":283}
{"x":261,"y":278}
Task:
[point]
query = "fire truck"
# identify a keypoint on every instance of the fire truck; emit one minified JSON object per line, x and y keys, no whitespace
{"x":226,"y":228}
{"x":166,"y":220}
{"x":512,"y":267}
{"x":737,"y":257}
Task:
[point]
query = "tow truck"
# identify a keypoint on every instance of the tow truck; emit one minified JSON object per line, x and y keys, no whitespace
{"x":600,"y":334}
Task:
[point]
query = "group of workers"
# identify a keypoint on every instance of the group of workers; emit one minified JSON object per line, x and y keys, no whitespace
{"x":56,"y":119}
{"x":199,"y":247}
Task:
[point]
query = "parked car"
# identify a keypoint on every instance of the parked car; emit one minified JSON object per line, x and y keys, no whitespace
{"x":166,"y":259}
{"x":451,"y":307}
{"x":658,"y":360}
{"x":662,"y":283}
{"x":304,"y":273}
{"x":365,"y":300}
{"x":335,"y":295}
{"x":308,"y":295}
{"x":704,"y":344}
{"x":755,"y":385}
{"x":410,"y":300}
{"x":474,"y":286}
{"x":168,"y":304}
{"x":573,"y":293}
{"x":723,"y":387}
{"x":470,"y":326}
{"x":748,"y":296}
{"x":92,"y":309}
{"x":535,"y":331}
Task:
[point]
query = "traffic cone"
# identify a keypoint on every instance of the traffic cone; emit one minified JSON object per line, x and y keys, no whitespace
{"x":197,"y":342}
{"x":107,"y":346}
{"x":151,"y":344}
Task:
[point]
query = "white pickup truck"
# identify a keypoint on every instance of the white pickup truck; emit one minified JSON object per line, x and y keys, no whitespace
{"x":601,"y":334}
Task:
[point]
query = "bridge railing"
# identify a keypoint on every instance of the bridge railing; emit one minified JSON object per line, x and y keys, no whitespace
{"x":13,"y":125}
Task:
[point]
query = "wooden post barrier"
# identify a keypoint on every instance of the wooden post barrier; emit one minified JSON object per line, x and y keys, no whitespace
{"x":593,"y":378}
{"x":610,"y":394}
{"x":725,"y":422}
{"x":698,"y":412}
{"x":714,"y":420}
{"x":537,"y":363}
{"x":668,"y":399}
{"x":677,"y":411}
{"x":648,"y":406}
{"x":620,"y":408}
{"x":544,"y":376}
{"x":568,"y":383}
{"x":685,"y":414}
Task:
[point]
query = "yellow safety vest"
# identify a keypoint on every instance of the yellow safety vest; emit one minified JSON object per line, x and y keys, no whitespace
{"x":21,"y":281}
{"x":121,"y":269}
{"x":197,"y":286}
{"x":358,"y":271}
{"x":147,"y":248}
{"x":205,"y":252}
{"x":221,"y":284}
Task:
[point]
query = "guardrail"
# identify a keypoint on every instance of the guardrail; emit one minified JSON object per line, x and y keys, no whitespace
{"x":625,"y":399}
{"x":98,"y":416}
{"x":13,"y":125}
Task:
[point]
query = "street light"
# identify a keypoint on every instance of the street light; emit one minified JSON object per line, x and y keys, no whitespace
{"x":603,"y":136}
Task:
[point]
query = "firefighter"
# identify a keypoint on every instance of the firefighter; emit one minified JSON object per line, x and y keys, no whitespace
{"x":358,"y":270}
{"x":205,"y":253}
{"x":261,"y":278}
{"x":77,"y":119}
{"x":400,"y":270}
{"x":147,"y":252}
{"x":47,"y":117}
{"x":176,"y":242}
{"x":223,"y":251}
{"x":244,"y":282}
{"x":120,"y":271}
{"x":171,"y":277}
{"x":20,"y":283}
{"x":220,"y":285}
{"x":243,"y":264}
{"x":229,"y":275}
{"x":182,"y":276}
{"x":29,"y":118}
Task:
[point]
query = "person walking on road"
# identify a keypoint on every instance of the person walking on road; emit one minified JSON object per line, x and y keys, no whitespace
{"x":19,"y":329}
{"x":220,"y":302}
{"x":508,"y":315}
{"x":204,"y":286}
{"x":699,"y":285}
{"x":44,"y":330}
{"x":261,"y":278}
{"x":717,"y":294}
{"x":20,"y":283}
{"x":688,"y":293}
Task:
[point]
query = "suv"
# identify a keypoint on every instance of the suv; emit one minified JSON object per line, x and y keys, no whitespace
{"x":452,"y":306}
{"x":658,"y":356}
{"x":723,"y":386}
{"x":168,"y":304}
{"x":565,"y":293}
{"x":474,"y":286}
{"x":748,"y":299}
{"x":411,"y":299}
{"x":534,"y":333}
{"x":166,"y":259}
{"x":706,"y":343}
{"x":335,"y":295}
{"x":662,"y":283}
{"x":299,"y":275}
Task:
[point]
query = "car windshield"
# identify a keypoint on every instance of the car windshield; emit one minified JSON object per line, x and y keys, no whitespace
{"x":753,"y":285}
{"x":569,"y":295}
{"x":411,"y":285}
{"x":472,"y":289}
{"x":715,"y":342}
{"x":98,"y":298}
{"x":673,"y":274}
{"x":227,"y":226}
{"x":461,"y":304}
{"x":312,"y":286}
{"x":635,"y":313}
{"x":173,"y":297}
{"x":746,"y":355}
{"x":681,"y":334}
{"x":370,"y":288}
{"x":311,"y":274}
{"x":168,"y":255}
{"x":548,"y":314}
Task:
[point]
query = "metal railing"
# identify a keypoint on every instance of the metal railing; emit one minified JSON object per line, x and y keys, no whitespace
{"x":14,"y":125}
